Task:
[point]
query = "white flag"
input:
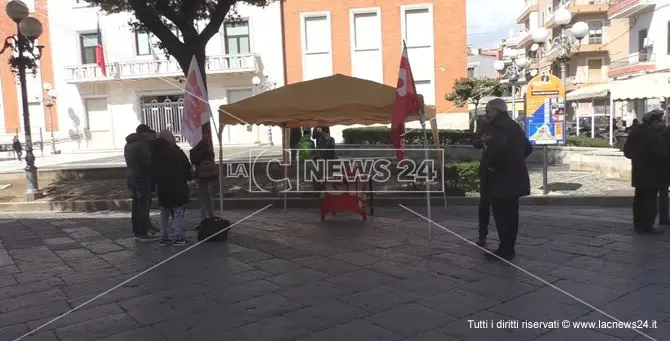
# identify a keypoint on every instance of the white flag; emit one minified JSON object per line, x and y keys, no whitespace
{"x":196,"y":105}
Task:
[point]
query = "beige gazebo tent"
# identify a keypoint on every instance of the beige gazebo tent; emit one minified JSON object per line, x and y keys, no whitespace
{"x":333,"y":100}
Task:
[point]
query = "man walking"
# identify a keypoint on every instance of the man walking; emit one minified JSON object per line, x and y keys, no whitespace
{"x":18,"y":149}
{"x":646,"y":150}
{"x":484,"y":195}
{"x":507,"y":178}
{"x":138,"y":161}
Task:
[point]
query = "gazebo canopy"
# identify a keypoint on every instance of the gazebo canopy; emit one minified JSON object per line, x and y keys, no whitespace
{"x":332,"y":100}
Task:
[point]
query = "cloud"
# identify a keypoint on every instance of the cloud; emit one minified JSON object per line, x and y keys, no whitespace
{"x":489,"y":21}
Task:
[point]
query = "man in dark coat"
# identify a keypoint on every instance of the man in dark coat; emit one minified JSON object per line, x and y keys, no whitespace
{"x":172,"y":171}
{"x":138,"y":162}
{"x":507,"y":179}
{"x":663,"y":201}
{"x":645,"y":148}
{"x":484,"y":195}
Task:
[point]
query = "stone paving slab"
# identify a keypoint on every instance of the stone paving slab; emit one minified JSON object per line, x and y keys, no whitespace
{"x":289,"y":276}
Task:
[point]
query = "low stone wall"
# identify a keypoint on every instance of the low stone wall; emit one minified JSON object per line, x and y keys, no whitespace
{"x":612,"y":165}
{"x":557,"y":155}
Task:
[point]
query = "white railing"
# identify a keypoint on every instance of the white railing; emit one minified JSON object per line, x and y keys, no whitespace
{"x":144,"y":69}
{"x":633,"y":59}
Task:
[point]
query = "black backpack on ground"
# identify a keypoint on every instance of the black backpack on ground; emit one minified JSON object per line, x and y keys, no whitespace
{"x":212,"y":226}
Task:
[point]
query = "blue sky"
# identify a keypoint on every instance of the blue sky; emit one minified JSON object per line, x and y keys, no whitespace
{"x":490,"y":20}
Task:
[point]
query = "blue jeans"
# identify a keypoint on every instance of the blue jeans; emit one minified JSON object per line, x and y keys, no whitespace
{"x":177,"y":220}
{"x":205,"y":190}
{"x":141,"y":206}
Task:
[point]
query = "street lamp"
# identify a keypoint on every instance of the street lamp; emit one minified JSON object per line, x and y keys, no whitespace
{"x":513,"y":72}
{"x":262,"y":84}
{"x":49,"y":101}
{"x":568,"y":41}
{"x":25,"y":54}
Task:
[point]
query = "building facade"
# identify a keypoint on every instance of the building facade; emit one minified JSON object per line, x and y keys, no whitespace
{"x":606,"y":42}
{"x":648,"y":46}
{"x":11,"y":108}
{"x":364,"y":39}
{"x":142,"y":85}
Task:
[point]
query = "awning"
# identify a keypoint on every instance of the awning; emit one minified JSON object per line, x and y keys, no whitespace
{"x":590,"y":92}
{"x":653,"y":85}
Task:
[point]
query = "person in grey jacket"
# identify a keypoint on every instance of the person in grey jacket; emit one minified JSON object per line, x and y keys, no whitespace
{"x":138,"y":161}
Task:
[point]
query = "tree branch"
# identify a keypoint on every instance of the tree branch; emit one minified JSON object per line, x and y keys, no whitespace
{"x":177,"y":18}
{"x":216,"y":20}
{"x":153,"y":23}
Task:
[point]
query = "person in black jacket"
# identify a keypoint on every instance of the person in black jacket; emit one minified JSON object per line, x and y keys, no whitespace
{"x":663,"y":201}
{"x":506,"y":148}
{"x":484,"y":195}
{"x":171,"y":171}
{"x":646,"y":149}
{"x":206,"y":172}
{"x":137,"y":155}
{"x":18,"y":149}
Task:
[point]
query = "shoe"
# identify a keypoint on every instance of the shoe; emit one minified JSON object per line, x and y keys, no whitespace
{"x":165,"y":242}
{"x":153,"y":233}
{"x":481,"y":241}
{"x":650,"y":230}
{"x":504,"y":254}
{"x":181,"y":242}
{"x":146,"y":238}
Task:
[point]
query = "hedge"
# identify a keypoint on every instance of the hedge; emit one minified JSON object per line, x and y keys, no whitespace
{"x":382,"y":135}
{"x":586,"y":141}
{"x":468,"y":175}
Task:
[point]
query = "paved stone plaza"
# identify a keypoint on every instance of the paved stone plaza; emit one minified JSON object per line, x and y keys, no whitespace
{"x":293,"y":277}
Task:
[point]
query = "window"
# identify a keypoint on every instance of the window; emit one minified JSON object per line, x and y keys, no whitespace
{"x":367,"y":31}
{"x":642,"y":50}
{"x":595,"y":70}
{"x":316,"y":30}
{"x":417,"y":28}
{"x":237,"y":37}
{"x":471,"y":72}
{"x":595,"y":32}
{"x":366,"y":42}
{"x":97,"y":116}
{"x":316,"y":46}
{"x":143,"y":45}
{"x":87,"y":42}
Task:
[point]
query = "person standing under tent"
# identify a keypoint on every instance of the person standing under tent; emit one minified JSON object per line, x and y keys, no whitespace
{"x":206,"y":173}
{"x":507,"y":177}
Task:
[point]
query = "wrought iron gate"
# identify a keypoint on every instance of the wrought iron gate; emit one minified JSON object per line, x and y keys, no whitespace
{"x":164,"y":115}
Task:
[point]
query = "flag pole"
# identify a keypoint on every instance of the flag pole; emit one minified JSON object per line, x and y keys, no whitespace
{"x":421,"y":113}
{"x":422,"y":119}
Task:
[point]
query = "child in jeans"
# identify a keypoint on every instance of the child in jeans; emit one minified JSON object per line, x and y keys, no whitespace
{"x":171,"y":171}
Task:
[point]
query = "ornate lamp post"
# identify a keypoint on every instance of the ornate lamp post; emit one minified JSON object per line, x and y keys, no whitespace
{"x":568,"y":41}
{"x":49,"y":101}
{"x":262,"y":84}
{"x":513,"y":71}
{"x":25,"y":54}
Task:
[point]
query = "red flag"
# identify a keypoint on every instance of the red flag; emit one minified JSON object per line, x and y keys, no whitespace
{"x":100,"y":52}
{"x":406,"y":101}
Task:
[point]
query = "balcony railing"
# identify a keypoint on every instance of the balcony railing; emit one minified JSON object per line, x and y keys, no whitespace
{"x":579,"y":7}
{"x":145,"y":69}
{"x":627,"y":8}
{"x":636,"y":62}
{"x":633,"y":59}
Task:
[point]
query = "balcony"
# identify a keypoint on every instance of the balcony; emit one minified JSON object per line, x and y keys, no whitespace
{"x":148,"y":69}
{"x":578,"y":7}
{"x":635,"y":63}
{"x":530,"y":7}
{"x":627,"y":8}
{"x":574,"y":82}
